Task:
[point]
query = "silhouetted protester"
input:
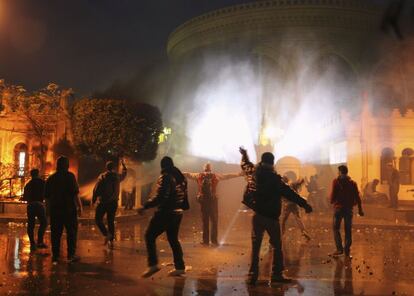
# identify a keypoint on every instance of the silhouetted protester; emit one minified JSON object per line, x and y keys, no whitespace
{"x":171,"y":200}
{"x":107,"y":192}
{"x":292,"y":208}
{"x":394,"y":186}
{"x":344,"y":196}
{"x":129,"y":190}
{"x":34,"y":194}
{"x":207,"y":182}
{"x":62,"y":191}
{"x":371,"y":195}
{"x":263,"y":195}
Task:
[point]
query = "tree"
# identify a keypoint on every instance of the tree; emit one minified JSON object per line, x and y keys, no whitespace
{"x":7,"y":172}
{"x":41,"y":109}
{"x":111,"y":128}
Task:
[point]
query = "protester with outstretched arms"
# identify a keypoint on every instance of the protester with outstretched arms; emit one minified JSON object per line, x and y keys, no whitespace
{"x":207,"y":182}
{"x":263,"y":195}
{"x":107,"y":190}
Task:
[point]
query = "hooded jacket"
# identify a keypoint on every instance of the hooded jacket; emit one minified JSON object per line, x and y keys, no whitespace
{"x":108,"y":186}
{"x":171,"y":193}
{"x":265,"y":189}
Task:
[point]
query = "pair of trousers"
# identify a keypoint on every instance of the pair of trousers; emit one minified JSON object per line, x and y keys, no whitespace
{"x":36,"y":210}
{"x":168,"y":222}
{"x":209,"y":213}
{"x":260,"y":224}
{"x":64,"y":220}
{"x":110,"y":210}
{"x":346,"y":215}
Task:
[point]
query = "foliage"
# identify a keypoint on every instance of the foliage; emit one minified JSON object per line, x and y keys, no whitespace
{"x":7,"y":171}
{"x":40,"y":108}
{"x":116,"y":128}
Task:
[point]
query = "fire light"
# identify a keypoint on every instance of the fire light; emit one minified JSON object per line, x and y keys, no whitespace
{"x":22,"y":161}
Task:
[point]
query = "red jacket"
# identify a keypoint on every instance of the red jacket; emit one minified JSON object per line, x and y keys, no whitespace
{"x":345,"y":193}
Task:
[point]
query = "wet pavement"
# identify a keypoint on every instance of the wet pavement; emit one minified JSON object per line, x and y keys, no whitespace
{"x":382,"y":264}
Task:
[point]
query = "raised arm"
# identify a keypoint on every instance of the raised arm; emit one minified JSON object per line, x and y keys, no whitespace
{"x":246,"y":165}
{"x":123,"y":174}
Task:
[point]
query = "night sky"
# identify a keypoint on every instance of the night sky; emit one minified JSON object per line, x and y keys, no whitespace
{"x":88,"y":44}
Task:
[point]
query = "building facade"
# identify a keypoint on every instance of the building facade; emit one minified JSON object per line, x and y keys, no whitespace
{"x":370,"y":102}
{"x":21,"y":148}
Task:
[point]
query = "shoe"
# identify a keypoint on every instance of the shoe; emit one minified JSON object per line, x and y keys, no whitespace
{"x":348,"y":253}
{"x":204,"y":244}
{"x":73,"y":259}
{"x":215,"y":244}
{"x":33,"y":248}
{"x":41,"y":246}
{"x":337,"y":253}
{"x":150,"y":271}
{"x":55,"y":260}
{"x":176,"y":272}
{"x":280,"y":279}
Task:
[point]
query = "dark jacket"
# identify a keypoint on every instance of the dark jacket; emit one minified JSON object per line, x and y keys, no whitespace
{"x":171,"y":193}
{"x":61,"y":190}
{"x":108,"y":186}
{"x":345,"y":193}
{"x":34,"y":190}
{"x":265,"y":189}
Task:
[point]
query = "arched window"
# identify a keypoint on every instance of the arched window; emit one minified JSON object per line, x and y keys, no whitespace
{"x":405,"y":166}
{"x":387,"y":157}
{"x":20,"y":158}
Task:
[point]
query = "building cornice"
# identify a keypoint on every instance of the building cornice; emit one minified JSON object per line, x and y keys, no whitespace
{"x":265,"y":17}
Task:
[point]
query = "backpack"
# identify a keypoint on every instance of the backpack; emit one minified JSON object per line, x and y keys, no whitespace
{"x":207,"y":185}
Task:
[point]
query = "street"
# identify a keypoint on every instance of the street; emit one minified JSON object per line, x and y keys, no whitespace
{"x":382,"y":262}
